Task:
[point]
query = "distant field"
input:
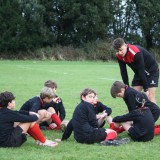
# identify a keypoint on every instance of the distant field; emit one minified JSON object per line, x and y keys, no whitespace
{"x":25,"y":79}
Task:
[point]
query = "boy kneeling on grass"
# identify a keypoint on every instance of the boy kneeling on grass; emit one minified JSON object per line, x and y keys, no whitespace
{"x":129,"y":96}
{"x":14,"y":125}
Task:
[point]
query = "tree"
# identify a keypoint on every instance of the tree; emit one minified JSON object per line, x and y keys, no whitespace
{"x":10,"y":19}
{"x":125,"y":21}
{"x":77,"y":21}
{"x":149,"y":16}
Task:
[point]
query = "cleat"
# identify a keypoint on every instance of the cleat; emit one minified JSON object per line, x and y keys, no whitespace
{"x":110,"y":143}
{"x":48,"y":143}
{"x":123,"y":140}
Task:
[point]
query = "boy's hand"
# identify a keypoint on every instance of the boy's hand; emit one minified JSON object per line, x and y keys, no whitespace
{"x":34,"y":113}
{"x":56,"y":100}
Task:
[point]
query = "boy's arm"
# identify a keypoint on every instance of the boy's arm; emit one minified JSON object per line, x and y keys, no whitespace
{"x":126,"y":117}
{"x":124,"y":73}
{"x":102,"y":108}
{"x":61,"y":110}
{"x":24,"y":112}
{"x":16,"y":116}
{"x":68,"y":131}
{"x":139,"y":60}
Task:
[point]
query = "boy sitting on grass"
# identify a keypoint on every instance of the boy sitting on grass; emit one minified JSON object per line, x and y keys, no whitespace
{"x":57,"y":105}
{"x":101,"y":111}
{"x":143,"y":113}
{"x":15,"y":124}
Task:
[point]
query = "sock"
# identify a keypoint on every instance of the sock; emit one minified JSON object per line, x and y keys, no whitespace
{"x":156,"y":131}
{"x":36,"y":133}
{"x":111,"y":136}
{"x":157,"y":126}
{"x":120,"y":129}
{"x":56,"y":120}
{"x":112,"y":126}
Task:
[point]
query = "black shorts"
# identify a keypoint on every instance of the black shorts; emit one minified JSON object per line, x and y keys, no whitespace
{"x":152,"y":79}
{"x":136,"y":137}
{"x":16,"y":139}
{"x":97,"y":136}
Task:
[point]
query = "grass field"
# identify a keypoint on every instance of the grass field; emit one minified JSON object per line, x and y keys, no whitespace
{"x":25,"y":79}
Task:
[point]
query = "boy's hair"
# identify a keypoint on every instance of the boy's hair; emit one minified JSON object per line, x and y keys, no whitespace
{"x":117,"y":43}
{"x":116,"y":88}
{"x":51,"y":84}
{"x":47,"y":92}
{"x":5,"y":98}
{"x":87,"y":91}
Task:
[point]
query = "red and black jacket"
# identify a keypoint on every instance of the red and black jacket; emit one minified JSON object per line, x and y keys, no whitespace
{"x":140,"y":61}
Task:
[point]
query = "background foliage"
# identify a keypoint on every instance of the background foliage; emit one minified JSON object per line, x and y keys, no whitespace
{"x":29,"y":25}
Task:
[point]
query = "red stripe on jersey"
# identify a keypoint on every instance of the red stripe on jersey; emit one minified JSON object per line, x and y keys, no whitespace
{"x":129,"y":57}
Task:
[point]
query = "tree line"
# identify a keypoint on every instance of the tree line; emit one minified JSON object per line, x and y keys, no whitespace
{"x":32,"y":24}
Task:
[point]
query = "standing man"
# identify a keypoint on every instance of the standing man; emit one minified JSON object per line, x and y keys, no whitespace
{"x":143,"y":65}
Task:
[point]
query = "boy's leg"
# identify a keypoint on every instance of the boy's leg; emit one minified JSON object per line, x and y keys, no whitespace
{"x":127,"y":125}
{"x":152,"y":94}
{"x":44,"y":116}
{"x":34,"y":130}
{"x":56,"y":120}
{"x":36,"y":133}
{"x":54,"y":117}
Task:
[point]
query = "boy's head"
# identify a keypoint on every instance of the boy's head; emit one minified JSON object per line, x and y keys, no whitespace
{"x":120,"y":46}
{"x":118,"y":43}
{"x":117,"y":89}
{"x":47,"y":94}
{"x":6,"y":98}
{"x":141,"y":99}
{"x":88,"y":95}
{"x":51,"y":84}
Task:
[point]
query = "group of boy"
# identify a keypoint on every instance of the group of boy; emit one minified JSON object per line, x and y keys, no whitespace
{"x":47,"y":111}
{"x":143,"y":111}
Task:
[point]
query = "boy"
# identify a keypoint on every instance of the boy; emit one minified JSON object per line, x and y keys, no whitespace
{"x":98,"y":108}
{"x":57,"y":105}
{"x":139,"y":123}
{"x":14,"y":125}
{"x":128,"y":94}
{"x":142,"y":63}
{"x":37,"y":105}
{"x":85,"y":123}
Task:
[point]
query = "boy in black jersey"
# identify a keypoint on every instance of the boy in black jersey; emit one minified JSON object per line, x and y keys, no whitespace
{"x":102,"y":114}
{"x":144,"y":66}
{"x":129,"y":94}
{"x":15,"y":124}
{"x":57,"y":105}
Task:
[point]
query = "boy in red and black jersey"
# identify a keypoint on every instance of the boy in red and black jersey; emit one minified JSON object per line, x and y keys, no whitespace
{"x":142,"y":63}
{"x":37,"y":105}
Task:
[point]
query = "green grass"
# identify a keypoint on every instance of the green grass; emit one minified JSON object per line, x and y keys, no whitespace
{"x":25,"y":79}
